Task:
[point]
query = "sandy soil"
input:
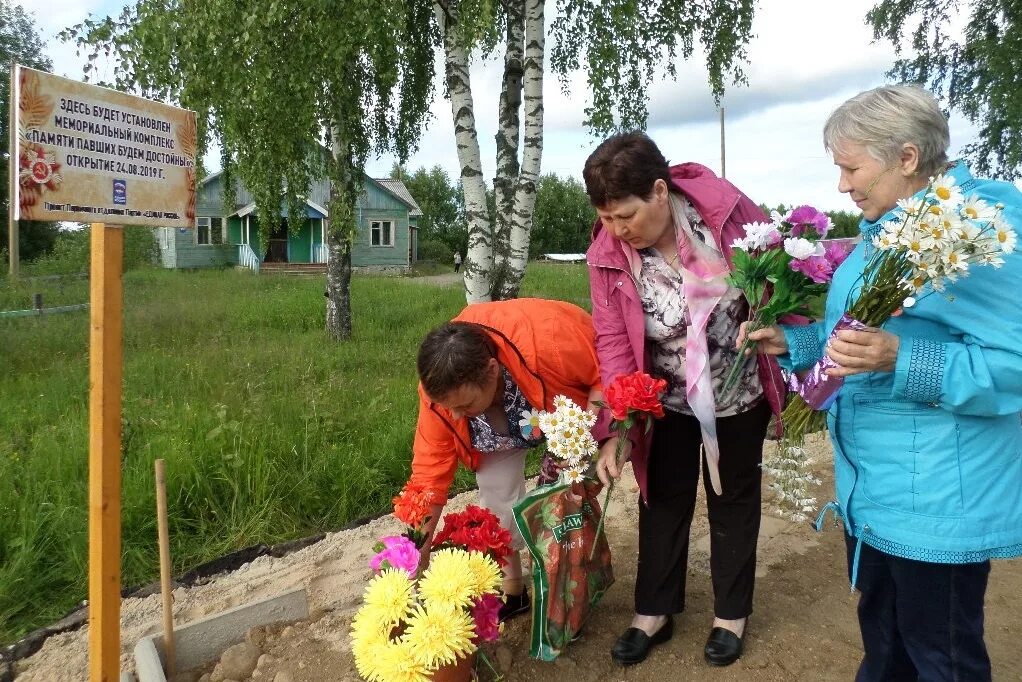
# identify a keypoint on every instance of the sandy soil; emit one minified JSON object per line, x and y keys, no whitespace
{"x":803,"y":628}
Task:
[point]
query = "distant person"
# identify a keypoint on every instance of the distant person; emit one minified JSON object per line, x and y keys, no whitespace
{"x":478,"y":376}
{"x":662,"y":305}
{"x":457,"y":260}
{"x":926,"y":433}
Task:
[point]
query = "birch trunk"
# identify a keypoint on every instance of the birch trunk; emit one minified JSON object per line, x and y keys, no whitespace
{"x":532,"y":152}
{"x":339,"y":240}
{"x":479,"y":260}
{"x":508,"y":133}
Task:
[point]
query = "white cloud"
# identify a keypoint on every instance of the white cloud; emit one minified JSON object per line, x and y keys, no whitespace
{"x":807,"y":57}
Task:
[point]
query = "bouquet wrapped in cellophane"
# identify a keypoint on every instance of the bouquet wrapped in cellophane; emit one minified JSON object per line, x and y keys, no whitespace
{"x":931,"y":241}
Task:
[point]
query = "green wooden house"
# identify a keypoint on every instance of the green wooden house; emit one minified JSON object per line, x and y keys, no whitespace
{"x":387,"y":218}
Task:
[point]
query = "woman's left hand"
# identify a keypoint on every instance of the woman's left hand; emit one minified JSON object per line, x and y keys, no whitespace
{"x":868,"y":350}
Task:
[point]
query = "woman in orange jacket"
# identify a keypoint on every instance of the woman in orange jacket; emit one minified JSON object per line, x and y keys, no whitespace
{"x":482,"y":377}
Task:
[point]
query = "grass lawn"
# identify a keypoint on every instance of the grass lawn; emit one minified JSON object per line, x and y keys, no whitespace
{"x":270,"y":431}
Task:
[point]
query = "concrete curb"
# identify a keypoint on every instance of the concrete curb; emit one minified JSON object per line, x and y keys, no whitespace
{"x":204,"y":640}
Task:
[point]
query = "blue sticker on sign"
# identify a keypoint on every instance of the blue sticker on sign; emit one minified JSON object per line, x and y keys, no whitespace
{"x":120,"y":191}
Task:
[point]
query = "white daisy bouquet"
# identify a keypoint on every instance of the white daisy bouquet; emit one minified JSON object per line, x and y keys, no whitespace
{"x":933,"y":240}
{"x":569,"y":438}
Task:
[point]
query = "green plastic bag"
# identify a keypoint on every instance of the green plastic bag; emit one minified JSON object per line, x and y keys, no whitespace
{"x":559,"y":524}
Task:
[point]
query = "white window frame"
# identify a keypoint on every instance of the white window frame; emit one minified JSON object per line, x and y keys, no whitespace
{"x":207,"y":223}
{"x":377,"y":225}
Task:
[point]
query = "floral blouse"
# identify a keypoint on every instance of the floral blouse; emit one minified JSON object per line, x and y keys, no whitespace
{"x":516,"y":407}
{"x":666,"y":329}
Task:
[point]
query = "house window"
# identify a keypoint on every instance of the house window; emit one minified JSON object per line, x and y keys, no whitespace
{"x":382,"y":233}
{"x":209,"y":231}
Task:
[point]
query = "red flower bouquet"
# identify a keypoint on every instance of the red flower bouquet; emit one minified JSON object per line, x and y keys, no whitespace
{"x":630,"y":398}
{"x":477,"y":530}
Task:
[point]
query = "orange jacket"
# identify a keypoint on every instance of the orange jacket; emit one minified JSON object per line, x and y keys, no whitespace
{"x":548,"y":347}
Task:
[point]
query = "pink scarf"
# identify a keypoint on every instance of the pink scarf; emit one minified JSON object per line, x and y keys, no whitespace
{"x":703,"y":273}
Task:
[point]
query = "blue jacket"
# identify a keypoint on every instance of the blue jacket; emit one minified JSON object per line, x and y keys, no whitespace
{"x":928,"y":458}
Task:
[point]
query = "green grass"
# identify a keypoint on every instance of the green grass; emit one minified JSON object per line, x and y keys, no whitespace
{"x":270,"y":431}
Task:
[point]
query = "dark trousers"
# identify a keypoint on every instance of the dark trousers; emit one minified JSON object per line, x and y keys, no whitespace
{"x":664,"y":523}
{"x":919,"y":620}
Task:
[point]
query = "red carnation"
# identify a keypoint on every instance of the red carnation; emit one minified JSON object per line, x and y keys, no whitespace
{"x":635,"y":392}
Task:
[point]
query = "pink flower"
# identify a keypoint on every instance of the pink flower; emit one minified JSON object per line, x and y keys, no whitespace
{"x":486,"y":613}
{"x":805,"y":217}
{"x":835,"y":254}
{"x":816,"y":268}
{"x":398,"y":552}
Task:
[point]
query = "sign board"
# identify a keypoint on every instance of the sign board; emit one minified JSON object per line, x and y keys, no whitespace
{"x":91,"y":154}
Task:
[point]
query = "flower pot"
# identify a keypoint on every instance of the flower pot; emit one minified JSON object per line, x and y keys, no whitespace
{"x":459,"y":671}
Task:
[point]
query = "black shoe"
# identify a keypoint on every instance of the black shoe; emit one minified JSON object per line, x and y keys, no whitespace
{"x":514,"y":605}
{"x":634,"y":644}
{"x":723,"y":647}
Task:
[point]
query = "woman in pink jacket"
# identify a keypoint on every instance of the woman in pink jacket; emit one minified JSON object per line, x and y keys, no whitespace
{"x":657,"y":268}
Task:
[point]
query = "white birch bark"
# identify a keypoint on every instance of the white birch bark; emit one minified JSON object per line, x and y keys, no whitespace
{"x":532,"y":152}
{"x":508,"y":133}
{"x":479,"y":260}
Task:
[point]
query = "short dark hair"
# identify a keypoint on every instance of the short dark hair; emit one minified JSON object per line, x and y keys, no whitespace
{"x":623,"y":165}
{"x":453,"y":355}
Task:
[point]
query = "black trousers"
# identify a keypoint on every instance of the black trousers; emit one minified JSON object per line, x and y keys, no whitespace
{"x":920,"y":620}
{"x":664,"y":523}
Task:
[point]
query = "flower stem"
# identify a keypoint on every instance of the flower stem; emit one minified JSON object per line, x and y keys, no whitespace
{"x":731,"y":380}
{"x":618,"y":447}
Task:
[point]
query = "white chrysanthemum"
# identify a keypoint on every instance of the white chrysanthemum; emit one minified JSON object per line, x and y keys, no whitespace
{"x":801,"y":249}
{"x":1006,"y":237}
{"x":910,"y":206}
{"x":955,"y":260}
{"x":975,"y":208}
{"x":945,"y":190}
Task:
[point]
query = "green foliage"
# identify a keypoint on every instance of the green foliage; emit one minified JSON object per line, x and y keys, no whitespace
{"x":269,"y":434}
{"x":625,"y":44}
{"x":268,"y":77}
{"x":71,"y":252}
{"x":846,"y":224}
{"x":435,"y":250}
{"x":442,"y":218}
{"x":20,"y":43}
{"x":563,"y":218}
{"x":976,"y":75}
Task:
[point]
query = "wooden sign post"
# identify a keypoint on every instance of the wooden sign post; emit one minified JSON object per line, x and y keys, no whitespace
{"x":87,"y":154}
{"x":105,"y":368}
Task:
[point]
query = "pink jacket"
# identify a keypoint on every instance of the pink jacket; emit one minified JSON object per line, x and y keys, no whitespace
{"x":617,"y":310}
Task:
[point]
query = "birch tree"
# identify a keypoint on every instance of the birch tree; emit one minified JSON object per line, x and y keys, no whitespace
{"x":276,"y":83}
{"x":621,"y":45}
{"x":974,"y":71}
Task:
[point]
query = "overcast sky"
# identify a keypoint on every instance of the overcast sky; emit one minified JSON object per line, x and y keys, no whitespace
{"x":807,"y":57}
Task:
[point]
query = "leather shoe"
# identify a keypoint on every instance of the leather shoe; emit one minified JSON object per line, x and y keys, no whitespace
{"x":723,"y":647}
{"x":634,"y":644}
{"x":514,"y":605}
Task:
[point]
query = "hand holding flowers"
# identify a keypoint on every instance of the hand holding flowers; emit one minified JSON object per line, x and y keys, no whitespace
{"x":631,"y":398}
{"x":780,"y":266}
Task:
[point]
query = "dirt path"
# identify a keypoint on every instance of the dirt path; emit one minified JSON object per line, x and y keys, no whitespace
{"x":803,"y":627}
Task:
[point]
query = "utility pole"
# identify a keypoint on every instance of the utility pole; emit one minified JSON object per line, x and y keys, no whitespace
{"x":723,"y":167}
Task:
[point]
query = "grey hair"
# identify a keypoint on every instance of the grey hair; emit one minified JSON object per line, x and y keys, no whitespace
{"x":884,"y":119}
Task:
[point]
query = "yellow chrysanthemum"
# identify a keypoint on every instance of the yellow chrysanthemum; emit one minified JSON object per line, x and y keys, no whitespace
{"x":389,"y":595}
{"x":485,"y":574}
{"x":439,"y":634}
{"x":366,"y":642}
{"x":398,"y":662}
{"x":447,"y":580}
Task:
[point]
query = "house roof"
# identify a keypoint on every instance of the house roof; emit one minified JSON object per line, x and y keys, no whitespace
{"x":398,"y":189}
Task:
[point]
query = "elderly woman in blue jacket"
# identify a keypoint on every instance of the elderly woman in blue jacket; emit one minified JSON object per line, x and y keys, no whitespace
{"x":926,"y":429}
